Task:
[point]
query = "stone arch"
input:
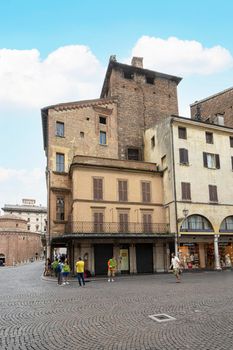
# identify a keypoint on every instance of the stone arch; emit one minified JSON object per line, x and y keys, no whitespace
{"x":196,"y":223}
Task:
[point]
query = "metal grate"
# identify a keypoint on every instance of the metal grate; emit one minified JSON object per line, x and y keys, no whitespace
{"x":161,"y":318}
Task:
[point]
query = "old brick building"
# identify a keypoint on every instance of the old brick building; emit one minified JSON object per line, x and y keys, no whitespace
{"x":215,"y":108}
{"x":111,"y":127}
{"x":17,"y":244}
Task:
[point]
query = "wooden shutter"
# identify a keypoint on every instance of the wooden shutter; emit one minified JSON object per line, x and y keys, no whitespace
{"x":122,"y":190}
{"x":232,"y":163}
{"x":98,"y":222}
{"x":147,"y":223}
{"x":213,"y":195}
{"x":98,"y":188}
{"x":186,"y":190}
{"x":217,"y":161}
{"x":123,"y":218}
{"x":205,"y":159}
{"x":183,"y":156}
{"x":146,"y":193}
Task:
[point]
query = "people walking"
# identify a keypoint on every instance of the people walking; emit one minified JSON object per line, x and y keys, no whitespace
{"x":176,"y":266}
{"x":80,"y":271}
{"x":65,"y":272}
{"x":111,"y":269}
{"x":54,"y":266}
{"x":59,"y":272}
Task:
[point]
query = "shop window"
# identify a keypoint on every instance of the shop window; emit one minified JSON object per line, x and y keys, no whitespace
{"x":60,"y":129}
{"x":213,"y":194}
{"x":209,"y":137}
{"x":60,"y":162}
{"x":98,"y":222}
{"x":123,"y":222}
{"x":182,"y":132}
{"x":186,"y":191}
{"x":211,"y":161}
{"x":184,"y":157}
{"x":60,"y":209}
{"x":227,"y":224}
{"x":146,"y":191}
{"x":195,"y":223}
{"x":98,"y":189}
{"x":123,"y":190}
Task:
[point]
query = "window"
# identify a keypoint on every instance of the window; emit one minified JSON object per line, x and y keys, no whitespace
{"x":60,"y":162}
{"x":60,"y":209}
{"x":133,"y":154}
{"x":196,"y":223}
{"x":150,"y":80}
{"x":28,"y":219}
{"x":102,"y":120}
{"x":45,"y":228}
{"x":123,"y":221}
{"x":82,"y":134}
{"x":147,"y":222}
{"x":37,"y":227}
{"x":231,"y":141}
{"x":103,"y":138}
{"x":209,"y":137}
{"x":123,"y":190}
{"x":37,"y":219}
{"x":28,"y":227}
{"x":98,"y":222}
{"x":152,"y":142}
{"x":146,"y":192}
{"x":128,"y":75}
{"x":213,"y":195}
{"x":184,"y":159}
{"x":211,"y":160}
{"x":182,"y":133}
{"x":60,"y":129}
{"x":98,"y":188}
{"x":227,"y":224}
{"x":186,"y":191}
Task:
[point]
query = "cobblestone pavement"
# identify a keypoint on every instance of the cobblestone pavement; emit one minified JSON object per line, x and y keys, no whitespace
{"x":38,"y":314}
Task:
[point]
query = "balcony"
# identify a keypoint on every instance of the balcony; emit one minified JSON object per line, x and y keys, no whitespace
{"x":115,"y":228}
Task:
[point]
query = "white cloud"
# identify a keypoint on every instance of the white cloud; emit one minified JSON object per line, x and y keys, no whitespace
{"x":16,"y":184}
{"x":181,"y":57}
{"x":68,"y":73}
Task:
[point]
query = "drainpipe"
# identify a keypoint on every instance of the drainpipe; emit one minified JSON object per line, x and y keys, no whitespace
{"x":174,"y":188}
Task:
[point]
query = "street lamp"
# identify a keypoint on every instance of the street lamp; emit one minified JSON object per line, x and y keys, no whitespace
{"x":185,"y":212}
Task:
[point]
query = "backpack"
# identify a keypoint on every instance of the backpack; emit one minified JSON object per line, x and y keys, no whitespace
{"x":58,"y":268}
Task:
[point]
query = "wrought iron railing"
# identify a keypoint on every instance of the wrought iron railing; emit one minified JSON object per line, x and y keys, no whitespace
{"x":116,"y":228}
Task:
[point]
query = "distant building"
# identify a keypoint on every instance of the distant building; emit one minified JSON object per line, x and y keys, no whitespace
{"x":215,"y":109}
{"x":17,"y":244}
{"x":35,"y":215}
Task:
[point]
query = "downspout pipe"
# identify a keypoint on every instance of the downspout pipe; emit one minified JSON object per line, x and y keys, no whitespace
{"x":174,"y":189}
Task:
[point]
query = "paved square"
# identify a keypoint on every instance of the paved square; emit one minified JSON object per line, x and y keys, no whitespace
{"x":38,"y":314}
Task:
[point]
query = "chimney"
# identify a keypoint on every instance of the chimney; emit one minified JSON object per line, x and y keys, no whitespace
{"x":137,"y":62}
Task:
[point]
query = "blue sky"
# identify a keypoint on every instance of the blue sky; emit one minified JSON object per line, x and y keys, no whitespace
{"x":55,"y":51}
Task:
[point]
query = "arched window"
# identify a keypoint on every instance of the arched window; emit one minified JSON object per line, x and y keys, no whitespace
{"x":196,"y":223}
{"x":227,"y":225}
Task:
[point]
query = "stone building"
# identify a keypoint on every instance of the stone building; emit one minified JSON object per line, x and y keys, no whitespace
{"x":214,"y":109}
{"x":196,"y":158}
{"x":17,"y":244}
{"x":111,"y":127}
{"x":35,"y":215}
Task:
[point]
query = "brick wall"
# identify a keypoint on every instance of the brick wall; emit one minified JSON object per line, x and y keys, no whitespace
{"x":221,"y":103}
{"x":140,"y":106}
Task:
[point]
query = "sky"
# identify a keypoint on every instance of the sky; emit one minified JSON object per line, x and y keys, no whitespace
{"x":58,"y":50}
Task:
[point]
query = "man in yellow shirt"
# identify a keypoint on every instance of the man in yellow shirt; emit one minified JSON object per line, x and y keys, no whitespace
{"x":80,"y":271}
